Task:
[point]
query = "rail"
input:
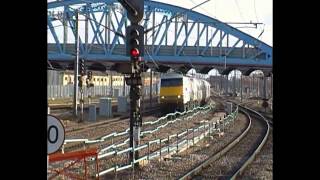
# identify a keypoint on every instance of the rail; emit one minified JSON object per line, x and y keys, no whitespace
{"x":219,"y":154}
{"x":253,"y":155}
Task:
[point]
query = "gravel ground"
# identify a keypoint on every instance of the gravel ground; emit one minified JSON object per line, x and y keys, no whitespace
{"x":262,"y":166}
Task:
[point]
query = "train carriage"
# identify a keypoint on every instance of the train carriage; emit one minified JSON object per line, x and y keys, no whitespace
{"x":180,"y":93}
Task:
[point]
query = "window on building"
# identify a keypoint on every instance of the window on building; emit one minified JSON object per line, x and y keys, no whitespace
{"x":101,"y":79}
{"x":98,"y":79}
{"x":66,"y":78}
{"x":94,"y":79}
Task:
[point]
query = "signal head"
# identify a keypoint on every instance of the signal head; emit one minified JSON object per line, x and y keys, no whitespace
{"x":134,"y":52}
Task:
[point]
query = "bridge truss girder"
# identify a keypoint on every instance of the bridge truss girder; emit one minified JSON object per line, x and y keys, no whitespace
{"x":188,"y":40}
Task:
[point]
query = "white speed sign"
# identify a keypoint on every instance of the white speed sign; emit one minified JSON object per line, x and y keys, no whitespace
{"x":55,"y":134}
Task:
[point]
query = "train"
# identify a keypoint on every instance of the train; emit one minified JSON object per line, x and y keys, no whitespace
{"x":182,"y":93}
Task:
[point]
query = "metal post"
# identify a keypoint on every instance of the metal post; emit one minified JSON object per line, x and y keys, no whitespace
{"x":211,"y":42}
{"x":177,"y":143}
{"x":193,"y":137}
{"x":198,"y":34}
{"x":124,"y":87}
{"x":234,"y":82}
{"x":109,"y":25}
{"x":106,"y":30}
{"x":186,"y":28}
{"x":86,"y":29}
{"x":150,"y":99}
{"x":241,"y":87}
{"x":111,"y":85}
{"x":264,"y":87}
{"x":160,"y":150}
{"x":65,"y":29}
{"x":148,"y":150}
{"x":221,"y":87}
{"x":168,"y":145}
{"x":251,"y":86}
{"x":187,"y":138}
{"x":76,"y":68}
{"x":135,"y":115}
{"x":153,"y":30}
{"x":81,"y":103}
{"x":166,"y":34}
{"x":258,"y":93}
{"x":175,"y":35}
{"x":142,"y":89}
{"x":227,"y":82}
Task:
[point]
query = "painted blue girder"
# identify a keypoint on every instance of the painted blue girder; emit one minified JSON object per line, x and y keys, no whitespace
{"x":259,"y":53}
{"x":165,"y":59}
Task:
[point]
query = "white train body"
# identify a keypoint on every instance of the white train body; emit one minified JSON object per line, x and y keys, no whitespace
{"x":181,"y":93}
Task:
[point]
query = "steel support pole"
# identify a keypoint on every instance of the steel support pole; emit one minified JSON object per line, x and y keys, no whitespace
{"x":76,"y":68}
{"x":150,"y":98}
{"x":241,"y":88}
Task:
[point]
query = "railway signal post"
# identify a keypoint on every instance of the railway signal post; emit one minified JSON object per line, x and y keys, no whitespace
{"x":76,"y":68}
{"x":135,"y":50}
{"x":82,"y":80}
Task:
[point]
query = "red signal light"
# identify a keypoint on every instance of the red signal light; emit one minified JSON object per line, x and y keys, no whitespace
{"x":135,"y":52}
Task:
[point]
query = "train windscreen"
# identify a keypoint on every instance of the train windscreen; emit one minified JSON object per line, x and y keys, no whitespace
{"x":171,"y":82}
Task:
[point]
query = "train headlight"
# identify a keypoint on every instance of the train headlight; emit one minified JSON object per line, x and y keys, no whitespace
{"x":179,"y":96}
{"x":162,"y":97}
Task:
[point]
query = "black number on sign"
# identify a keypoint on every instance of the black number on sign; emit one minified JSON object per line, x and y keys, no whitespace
{"x":49,"y":137}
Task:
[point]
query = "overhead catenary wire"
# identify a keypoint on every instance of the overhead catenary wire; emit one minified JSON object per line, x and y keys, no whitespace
{"x":203,"y":9}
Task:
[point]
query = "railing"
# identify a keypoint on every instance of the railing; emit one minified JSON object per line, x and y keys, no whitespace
{"x":167,"y":117}
{"x":198,"y":133}
{"x":202,"y":132}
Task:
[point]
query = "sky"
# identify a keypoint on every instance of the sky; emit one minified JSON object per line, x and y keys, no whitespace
{"x":236,"y":11}
{"x":229,"y":11}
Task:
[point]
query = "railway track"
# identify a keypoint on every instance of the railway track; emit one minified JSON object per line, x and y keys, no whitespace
{"x":231,"y":161}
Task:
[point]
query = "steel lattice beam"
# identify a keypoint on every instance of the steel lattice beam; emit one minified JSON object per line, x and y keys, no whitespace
{"x":258,"y":54}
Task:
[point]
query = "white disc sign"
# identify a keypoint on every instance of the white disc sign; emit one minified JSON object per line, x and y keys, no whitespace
{"x":55,"y":134}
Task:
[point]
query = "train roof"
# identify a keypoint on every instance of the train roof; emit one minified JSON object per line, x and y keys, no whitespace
{"x":171,"y":75}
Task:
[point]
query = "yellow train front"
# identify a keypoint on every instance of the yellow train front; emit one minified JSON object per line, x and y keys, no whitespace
{"x":180,"y":93}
